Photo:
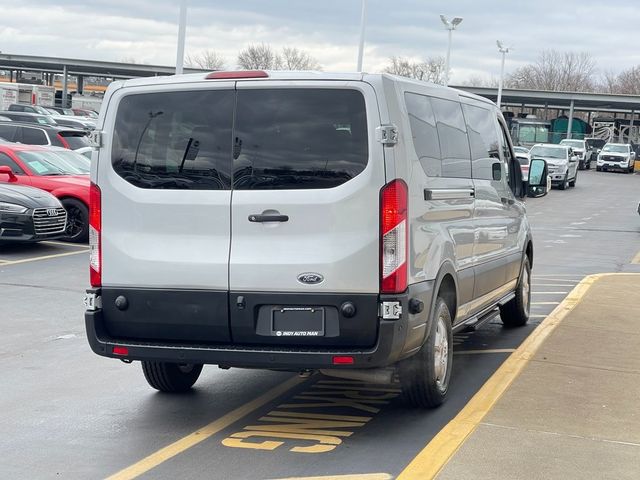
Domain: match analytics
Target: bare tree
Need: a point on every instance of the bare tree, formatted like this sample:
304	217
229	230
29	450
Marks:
207	59
556	71
431	70
628	81
480	81
293	58
259	57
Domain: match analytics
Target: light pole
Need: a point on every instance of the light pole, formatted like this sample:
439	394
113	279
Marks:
504	50
451	26
182	27
363	21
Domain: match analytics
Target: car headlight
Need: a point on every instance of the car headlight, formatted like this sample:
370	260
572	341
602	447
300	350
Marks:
12	208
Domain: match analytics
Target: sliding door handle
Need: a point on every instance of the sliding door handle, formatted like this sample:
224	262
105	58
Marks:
268	218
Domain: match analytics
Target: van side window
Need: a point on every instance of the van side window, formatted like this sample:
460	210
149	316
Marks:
299	138
505	153
483	140
454	144
34	136
175	140
424	133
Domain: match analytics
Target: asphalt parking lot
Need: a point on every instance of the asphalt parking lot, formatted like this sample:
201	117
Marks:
67	413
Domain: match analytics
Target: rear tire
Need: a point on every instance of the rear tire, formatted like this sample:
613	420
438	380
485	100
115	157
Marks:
572	183
516	312
77	221
425	376
171	377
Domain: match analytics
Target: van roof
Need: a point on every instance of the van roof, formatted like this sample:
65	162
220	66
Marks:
295	75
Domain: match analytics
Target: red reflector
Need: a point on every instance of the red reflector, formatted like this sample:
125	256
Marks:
343	360
120	351
237	74
393	237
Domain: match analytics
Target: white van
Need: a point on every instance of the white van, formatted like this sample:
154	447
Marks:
301	221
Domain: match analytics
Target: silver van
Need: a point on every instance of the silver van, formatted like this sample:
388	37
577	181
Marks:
300	221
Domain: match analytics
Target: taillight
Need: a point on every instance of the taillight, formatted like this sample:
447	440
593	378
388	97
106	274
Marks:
393	237
95	241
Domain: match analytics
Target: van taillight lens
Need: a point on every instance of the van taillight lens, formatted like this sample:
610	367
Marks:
95	230
393	237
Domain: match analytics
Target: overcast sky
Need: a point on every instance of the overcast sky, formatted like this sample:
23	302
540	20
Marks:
146	30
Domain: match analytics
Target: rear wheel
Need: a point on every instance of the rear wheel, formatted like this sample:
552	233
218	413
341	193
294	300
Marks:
572	183
77	221
424	377
515	313
171	377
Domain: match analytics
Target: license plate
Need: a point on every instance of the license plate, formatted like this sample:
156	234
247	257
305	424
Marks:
297	322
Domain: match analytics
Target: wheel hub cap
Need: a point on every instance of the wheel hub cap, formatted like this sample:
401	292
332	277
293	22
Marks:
441	353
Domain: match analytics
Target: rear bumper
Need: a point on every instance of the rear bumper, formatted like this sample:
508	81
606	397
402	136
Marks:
395	339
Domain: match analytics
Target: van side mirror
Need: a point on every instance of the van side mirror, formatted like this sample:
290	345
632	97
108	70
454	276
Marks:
6	170
496	171
538	172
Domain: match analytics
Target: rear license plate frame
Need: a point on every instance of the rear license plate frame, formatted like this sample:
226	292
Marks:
299	322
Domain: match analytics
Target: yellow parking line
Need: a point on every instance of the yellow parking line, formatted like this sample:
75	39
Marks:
64	244
430	461
545	303
43	257
361	476
488	350
205	432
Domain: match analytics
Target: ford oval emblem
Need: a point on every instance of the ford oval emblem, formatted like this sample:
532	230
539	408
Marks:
310	278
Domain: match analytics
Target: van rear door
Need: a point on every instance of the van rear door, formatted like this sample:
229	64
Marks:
307	174
165	178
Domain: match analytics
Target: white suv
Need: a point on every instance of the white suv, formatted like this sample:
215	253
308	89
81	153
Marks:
563	164
347	223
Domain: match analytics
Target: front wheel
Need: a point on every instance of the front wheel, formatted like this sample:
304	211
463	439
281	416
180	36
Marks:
515	313
572	183
77	221
171	377
565	182
424	377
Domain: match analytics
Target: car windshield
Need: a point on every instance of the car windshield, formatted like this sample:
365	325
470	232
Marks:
573	143
75	160
521	150
595	142
549	152
75	140
616	148
41	110
45	120
50	163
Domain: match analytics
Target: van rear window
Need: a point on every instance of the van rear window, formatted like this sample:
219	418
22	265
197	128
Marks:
175	140
298	138
287	138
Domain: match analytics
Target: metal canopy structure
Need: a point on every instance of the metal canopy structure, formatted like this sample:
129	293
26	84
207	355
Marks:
561	100
85	67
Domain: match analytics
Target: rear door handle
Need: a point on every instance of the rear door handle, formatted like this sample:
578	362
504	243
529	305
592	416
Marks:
268	218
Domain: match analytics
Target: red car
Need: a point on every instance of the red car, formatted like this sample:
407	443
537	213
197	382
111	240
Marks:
63	173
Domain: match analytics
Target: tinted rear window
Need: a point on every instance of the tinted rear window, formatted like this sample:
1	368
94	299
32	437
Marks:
175	140
75	140
299	138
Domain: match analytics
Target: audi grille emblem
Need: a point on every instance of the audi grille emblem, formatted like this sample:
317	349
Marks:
310	278
52	212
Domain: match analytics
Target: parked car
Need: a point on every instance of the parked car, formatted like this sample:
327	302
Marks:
616	156
595	145
57	135
19	107
27	117
28	214
81	123
581	150
82	112
362	236
563	165
60	111
42	168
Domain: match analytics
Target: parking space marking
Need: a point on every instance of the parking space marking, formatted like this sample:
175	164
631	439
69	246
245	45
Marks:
64	244
537	316
303	427
43	257
435	455
636	259
360	476
205	432
553	285
549	293
545	303
488	350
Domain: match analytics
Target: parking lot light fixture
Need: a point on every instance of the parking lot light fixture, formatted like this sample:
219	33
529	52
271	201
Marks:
504	50
363	21
451	26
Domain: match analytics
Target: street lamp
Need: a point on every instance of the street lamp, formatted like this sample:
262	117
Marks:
363	20
182	26
504	50
451	26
